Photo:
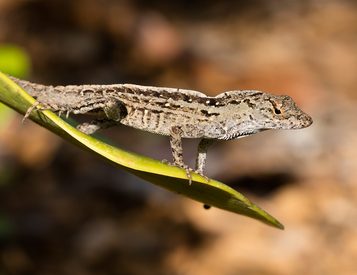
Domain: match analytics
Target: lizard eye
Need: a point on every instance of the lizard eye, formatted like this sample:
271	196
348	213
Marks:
275	106
277	111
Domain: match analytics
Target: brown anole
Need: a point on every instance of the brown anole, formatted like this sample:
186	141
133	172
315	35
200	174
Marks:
177	113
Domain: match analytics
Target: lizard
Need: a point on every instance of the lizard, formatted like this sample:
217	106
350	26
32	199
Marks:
177	113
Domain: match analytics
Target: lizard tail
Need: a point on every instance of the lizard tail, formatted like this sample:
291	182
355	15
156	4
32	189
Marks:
33	89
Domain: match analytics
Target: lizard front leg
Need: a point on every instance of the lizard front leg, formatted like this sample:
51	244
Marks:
176	148
202	154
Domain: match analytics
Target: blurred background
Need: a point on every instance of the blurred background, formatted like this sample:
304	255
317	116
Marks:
63	211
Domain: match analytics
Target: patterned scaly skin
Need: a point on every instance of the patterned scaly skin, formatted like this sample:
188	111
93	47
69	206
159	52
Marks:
176	113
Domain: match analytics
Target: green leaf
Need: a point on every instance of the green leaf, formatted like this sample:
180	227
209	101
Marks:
14	60
172	178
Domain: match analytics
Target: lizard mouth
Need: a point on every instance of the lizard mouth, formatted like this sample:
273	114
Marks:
243	134
304	121
307	121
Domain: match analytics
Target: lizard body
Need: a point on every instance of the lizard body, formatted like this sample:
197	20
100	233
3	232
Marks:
177	113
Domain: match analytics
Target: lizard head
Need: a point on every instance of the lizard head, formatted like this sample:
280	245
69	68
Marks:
258	111
281	112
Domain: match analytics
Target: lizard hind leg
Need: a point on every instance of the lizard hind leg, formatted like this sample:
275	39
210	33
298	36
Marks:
114	110
95	125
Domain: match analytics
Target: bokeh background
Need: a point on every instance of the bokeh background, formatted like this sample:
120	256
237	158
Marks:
63	211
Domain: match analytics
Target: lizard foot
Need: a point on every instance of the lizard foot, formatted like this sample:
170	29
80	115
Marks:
188	170
182	166
95	125
29	110
88	128
202	175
